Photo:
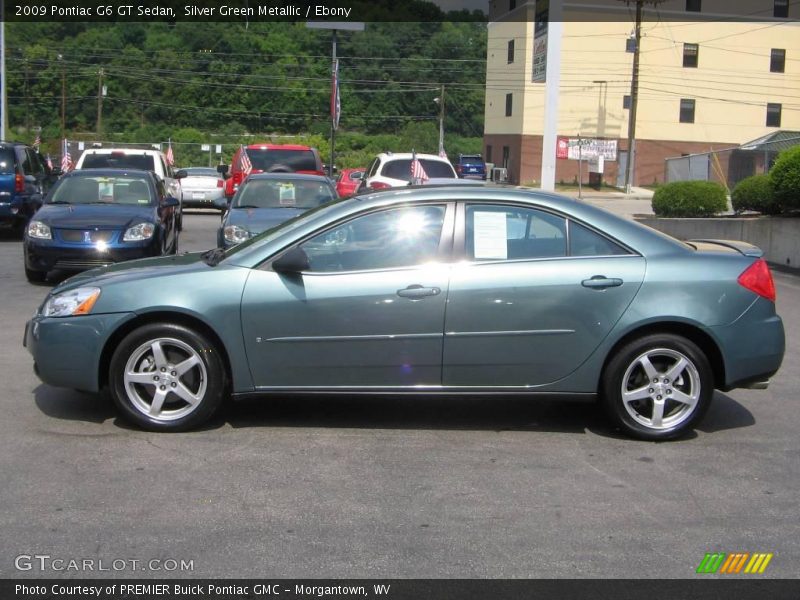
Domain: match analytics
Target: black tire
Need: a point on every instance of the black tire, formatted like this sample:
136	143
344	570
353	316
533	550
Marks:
150	375
35	276
657	408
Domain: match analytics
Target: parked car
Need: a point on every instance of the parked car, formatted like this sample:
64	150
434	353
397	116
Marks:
202	188
273	158
128	158
457	290
394	169
347	181
94	217
471	166
268	199
24	181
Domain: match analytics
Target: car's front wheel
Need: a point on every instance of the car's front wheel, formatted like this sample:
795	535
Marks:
167	377
658	386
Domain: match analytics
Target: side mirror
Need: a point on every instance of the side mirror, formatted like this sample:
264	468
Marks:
223	169
221	203
295	261
181	174
171	201
56	172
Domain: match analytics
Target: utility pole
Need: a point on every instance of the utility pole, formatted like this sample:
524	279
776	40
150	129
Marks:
634	92
63	97
100	74
440	102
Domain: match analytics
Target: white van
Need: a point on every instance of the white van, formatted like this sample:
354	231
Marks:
132	158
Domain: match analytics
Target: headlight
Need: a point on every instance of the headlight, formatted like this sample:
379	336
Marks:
235	234
137	233
40	231
72	303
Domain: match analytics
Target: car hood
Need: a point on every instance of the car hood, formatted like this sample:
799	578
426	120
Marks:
256	220
93	216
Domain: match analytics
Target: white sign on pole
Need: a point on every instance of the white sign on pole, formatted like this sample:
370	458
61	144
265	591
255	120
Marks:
219	148
205	147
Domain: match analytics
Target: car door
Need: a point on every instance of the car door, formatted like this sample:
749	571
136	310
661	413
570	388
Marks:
534	296
367	313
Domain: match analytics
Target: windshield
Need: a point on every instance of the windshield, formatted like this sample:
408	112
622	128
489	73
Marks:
285	227
293	160
102	190
282	193
142	162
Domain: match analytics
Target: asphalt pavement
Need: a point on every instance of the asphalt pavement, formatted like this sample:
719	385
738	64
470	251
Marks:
354	487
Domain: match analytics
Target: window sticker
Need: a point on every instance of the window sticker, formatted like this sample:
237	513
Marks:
287	197
490	235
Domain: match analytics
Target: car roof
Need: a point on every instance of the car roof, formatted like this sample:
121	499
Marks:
121	151
409	155
277	147
290	175
110	173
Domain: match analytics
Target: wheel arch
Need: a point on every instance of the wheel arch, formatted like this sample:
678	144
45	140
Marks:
162	316
692	332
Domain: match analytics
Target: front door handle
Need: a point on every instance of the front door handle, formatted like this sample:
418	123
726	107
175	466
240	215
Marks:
601	282
416	292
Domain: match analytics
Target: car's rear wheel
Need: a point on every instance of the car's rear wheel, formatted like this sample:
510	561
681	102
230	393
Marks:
166	377
658	386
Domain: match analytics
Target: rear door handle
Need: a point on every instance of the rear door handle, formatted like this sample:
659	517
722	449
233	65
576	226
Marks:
600	282
416	292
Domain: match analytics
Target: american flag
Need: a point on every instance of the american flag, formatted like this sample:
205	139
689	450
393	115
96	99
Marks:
418	174
66	159
37	142
336	105
245	166
49	162
170	156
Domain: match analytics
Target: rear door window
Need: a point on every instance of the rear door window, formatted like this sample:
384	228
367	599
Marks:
119	161
7	160
294	160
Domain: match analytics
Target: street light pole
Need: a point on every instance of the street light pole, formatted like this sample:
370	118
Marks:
335	26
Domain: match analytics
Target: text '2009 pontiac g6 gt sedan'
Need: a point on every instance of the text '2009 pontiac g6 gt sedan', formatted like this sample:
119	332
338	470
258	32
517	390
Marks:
440	290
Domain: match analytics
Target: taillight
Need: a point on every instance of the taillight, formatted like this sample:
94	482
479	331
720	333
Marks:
379	185
220	183
758	279
19	183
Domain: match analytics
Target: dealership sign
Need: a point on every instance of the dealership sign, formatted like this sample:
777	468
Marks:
586	148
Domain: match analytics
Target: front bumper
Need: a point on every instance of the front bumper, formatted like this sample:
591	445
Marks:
47	257
67	350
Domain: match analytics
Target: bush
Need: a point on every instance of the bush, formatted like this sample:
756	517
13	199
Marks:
755	193
785	176
689	199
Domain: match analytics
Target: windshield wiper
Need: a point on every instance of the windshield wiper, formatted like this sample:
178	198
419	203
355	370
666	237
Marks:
246	206
213	257
59	202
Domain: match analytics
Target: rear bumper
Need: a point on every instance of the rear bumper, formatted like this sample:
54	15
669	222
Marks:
752	347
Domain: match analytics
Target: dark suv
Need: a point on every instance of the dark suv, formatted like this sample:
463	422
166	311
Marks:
24	181
471	166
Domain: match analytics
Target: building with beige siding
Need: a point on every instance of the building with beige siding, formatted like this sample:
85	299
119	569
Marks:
709	79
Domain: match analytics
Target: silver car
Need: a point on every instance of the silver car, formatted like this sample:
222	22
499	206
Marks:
203	188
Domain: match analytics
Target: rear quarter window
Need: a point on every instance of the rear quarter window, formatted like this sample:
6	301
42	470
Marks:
6	160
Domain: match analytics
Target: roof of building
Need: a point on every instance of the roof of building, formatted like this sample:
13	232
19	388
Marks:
774	142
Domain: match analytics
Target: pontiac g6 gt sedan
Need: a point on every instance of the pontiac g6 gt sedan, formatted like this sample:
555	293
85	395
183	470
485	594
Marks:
441	290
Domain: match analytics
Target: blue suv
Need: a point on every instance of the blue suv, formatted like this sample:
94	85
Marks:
471	166
24	181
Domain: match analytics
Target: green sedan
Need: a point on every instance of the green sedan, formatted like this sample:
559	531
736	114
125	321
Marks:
454	290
